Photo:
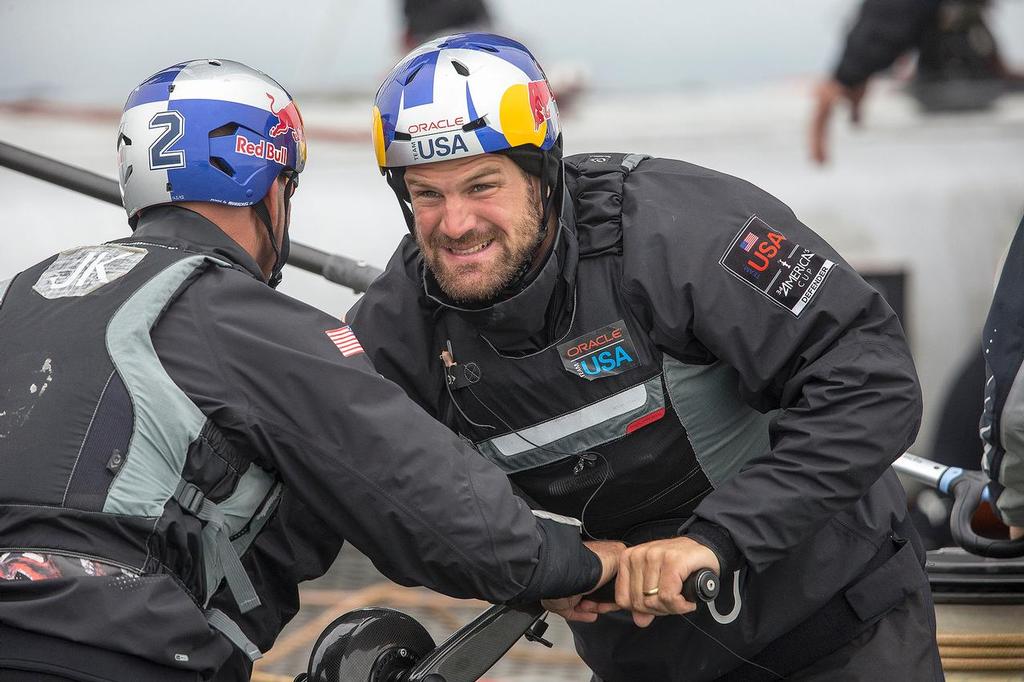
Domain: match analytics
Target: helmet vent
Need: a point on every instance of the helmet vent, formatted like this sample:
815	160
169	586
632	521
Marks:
123	139
475	124
128	174
224	131
402	136
222	165
415	71
460	68
487	48
169	188
213	62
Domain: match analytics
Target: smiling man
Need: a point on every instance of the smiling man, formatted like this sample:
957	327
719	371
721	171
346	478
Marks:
666	354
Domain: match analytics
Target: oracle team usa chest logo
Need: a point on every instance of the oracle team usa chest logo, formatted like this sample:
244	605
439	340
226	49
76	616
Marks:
603	352
786	273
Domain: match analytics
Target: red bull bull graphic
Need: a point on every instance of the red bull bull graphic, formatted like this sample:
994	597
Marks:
540	102
288	119
262	150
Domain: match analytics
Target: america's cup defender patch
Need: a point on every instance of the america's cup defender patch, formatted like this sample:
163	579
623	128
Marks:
788	274
604	352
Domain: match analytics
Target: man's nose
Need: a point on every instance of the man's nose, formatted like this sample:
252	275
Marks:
458	217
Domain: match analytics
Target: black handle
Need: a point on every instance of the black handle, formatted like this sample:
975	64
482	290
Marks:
702	585
968	491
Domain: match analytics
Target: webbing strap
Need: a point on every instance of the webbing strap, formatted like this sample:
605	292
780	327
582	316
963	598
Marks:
220	555
219	621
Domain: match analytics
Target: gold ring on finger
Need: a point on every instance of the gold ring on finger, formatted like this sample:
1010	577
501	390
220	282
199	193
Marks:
651	592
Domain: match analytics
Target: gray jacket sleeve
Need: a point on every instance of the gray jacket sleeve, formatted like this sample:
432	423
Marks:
362	457
808	338
1002	420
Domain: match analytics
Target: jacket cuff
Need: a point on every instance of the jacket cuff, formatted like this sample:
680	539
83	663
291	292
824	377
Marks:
565	566
717	539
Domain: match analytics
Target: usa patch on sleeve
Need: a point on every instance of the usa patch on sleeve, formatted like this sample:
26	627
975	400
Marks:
345	339
785	273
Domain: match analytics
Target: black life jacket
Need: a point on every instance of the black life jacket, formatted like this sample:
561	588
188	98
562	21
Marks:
591	426
103	457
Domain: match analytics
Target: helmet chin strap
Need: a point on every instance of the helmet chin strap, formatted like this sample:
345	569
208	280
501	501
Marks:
280	254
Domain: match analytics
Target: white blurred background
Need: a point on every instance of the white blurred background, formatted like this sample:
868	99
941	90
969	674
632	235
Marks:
724	84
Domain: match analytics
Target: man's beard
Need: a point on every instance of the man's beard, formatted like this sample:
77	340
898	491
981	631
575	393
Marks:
470	283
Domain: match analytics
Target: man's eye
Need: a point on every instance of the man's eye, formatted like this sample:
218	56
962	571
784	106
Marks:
481	188
426	194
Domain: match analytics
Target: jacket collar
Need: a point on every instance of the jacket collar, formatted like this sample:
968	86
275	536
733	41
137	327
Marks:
177	226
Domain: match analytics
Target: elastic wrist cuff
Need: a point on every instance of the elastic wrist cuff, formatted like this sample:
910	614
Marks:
717	539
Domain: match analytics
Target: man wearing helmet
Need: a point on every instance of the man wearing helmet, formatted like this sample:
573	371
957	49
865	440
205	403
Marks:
180	445
666	354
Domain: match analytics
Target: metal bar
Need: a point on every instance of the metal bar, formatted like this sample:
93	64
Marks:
342	270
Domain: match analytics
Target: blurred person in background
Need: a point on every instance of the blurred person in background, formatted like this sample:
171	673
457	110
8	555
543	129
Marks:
1002	422
958	62
181	445
665	353
426	19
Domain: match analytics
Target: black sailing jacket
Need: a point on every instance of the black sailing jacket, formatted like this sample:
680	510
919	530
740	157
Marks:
280	392
690	359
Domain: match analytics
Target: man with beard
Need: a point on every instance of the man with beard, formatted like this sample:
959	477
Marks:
666	354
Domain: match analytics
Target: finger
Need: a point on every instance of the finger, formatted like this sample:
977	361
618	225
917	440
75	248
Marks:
637	564
622	582
643	619
589	606
580	617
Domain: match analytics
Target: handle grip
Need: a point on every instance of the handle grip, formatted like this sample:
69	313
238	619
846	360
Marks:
968	490
699	586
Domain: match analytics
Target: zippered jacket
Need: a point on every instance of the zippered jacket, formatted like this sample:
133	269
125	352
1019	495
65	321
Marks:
690	359
198	444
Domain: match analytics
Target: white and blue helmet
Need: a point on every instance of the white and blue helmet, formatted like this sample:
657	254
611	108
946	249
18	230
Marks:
206	130
463	95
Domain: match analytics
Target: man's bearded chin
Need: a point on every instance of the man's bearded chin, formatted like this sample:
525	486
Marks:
468	283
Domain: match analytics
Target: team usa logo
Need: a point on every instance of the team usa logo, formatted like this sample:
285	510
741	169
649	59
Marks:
601	353
786	273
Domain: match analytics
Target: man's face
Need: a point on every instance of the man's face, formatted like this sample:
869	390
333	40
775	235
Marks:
477	222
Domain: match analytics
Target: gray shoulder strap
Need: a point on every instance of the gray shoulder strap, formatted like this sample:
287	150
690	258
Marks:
219	621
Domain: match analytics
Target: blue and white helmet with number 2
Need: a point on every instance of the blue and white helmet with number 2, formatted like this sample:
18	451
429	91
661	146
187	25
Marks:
206	130
463	95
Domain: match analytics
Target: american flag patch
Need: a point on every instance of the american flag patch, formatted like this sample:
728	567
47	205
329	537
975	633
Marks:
345	339
749	241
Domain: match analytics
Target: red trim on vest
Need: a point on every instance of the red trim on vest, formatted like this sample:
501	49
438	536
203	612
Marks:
645	420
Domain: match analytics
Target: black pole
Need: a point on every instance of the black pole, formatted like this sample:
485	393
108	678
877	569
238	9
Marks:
342	270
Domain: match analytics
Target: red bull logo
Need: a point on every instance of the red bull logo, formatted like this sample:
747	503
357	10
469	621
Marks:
540	102
262	150
288	119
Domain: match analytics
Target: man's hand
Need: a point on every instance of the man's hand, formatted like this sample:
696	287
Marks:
571	608
662	564
1016	532
826	96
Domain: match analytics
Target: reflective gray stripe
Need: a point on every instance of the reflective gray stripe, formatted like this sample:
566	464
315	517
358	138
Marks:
631	161
166	421
220	558
219	621
4	286
724	431
574	432
558	518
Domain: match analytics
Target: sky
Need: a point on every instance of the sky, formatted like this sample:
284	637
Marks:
95	51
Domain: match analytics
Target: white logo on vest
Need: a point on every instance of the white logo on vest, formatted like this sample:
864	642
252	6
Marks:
85	269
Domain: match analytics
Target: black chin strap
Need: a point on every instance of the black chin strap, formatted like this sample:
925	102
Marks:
280	254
